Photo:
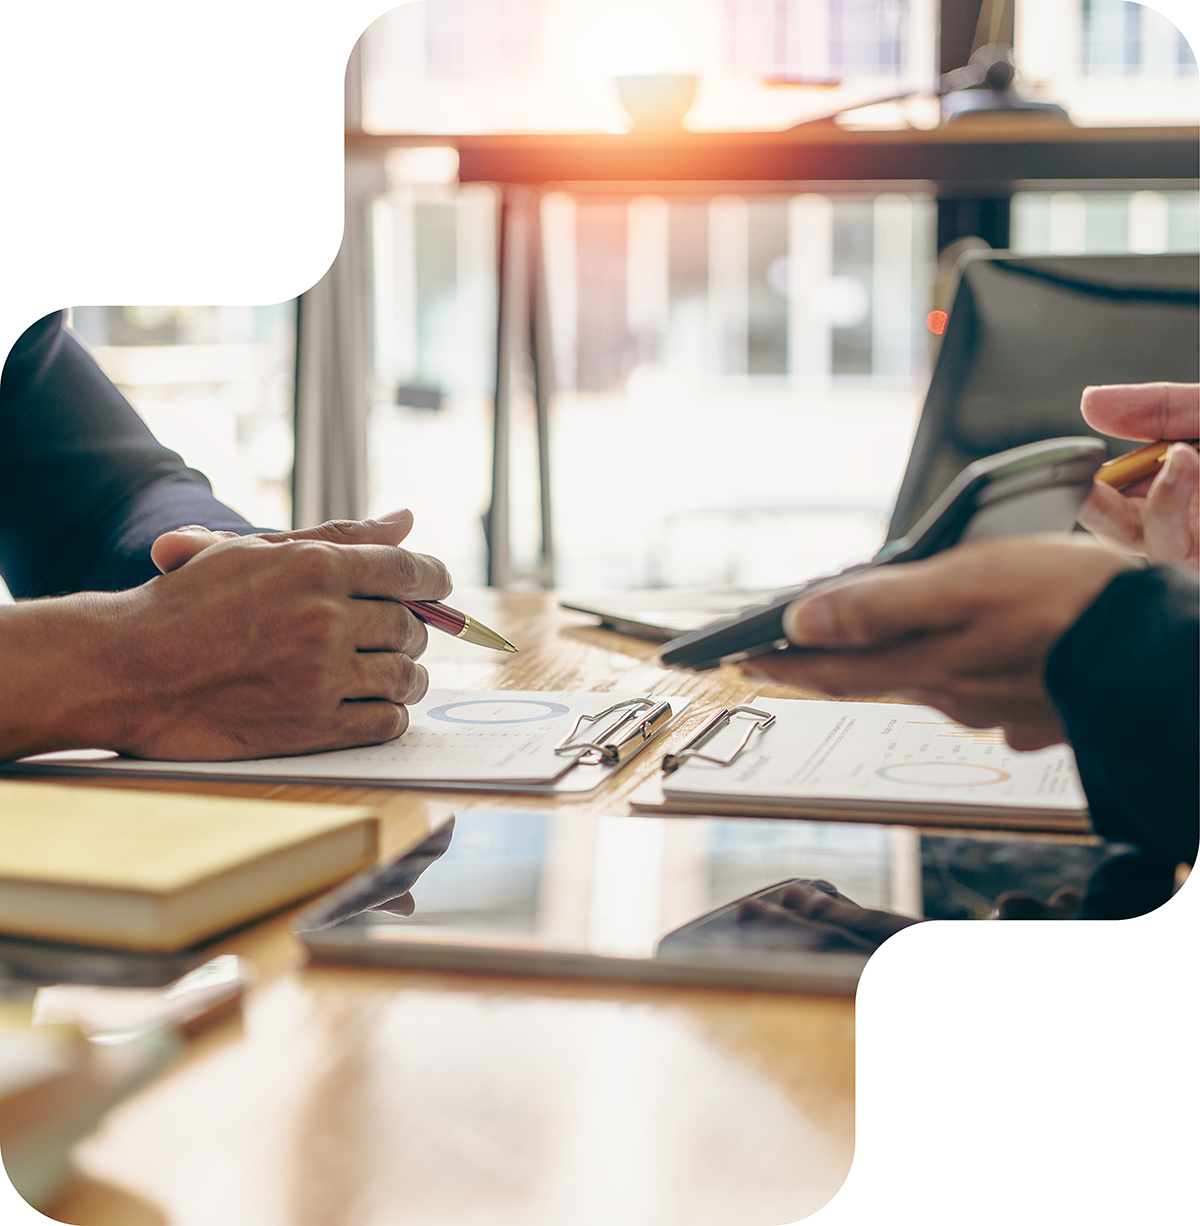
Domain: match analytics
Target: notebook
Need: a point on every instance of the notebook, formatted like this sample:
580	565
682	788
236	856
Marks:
157	871
866	761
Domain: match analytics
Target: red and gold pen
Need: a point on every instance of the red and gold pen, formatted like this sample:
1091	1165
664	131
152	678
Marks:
451	621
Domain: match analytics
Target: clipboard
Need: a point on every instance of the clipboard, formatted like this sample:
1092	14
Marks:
865	762
525	742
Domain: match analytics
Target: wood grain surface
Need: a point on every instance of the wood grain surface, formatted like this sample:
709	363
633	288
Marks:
346	1097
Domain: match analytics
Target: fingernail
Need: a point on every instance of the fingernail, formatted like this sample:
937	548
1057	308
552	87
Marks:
1172	469
394	516
809	621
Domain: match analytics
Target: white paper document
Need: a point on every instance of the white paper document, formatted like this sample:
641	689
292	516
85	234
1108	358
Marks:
822	758
498	740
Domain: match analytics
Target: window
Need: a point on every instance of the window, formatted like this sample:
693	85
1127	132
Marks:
817	38
213	383
434	353
550	65
1109	62
742	341
1091	222
1120	38
481	37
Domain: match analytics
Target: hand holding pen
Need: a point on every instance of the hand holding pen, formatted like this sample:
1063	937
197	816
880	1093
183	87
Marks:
265	644
1157	509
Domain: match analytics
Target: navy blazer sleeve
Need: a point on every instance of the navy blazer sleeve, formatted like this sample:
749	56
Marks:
1124	680
84	486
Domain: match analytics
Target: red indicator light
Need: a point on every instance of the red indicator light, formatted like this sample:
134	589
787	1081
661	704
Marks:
935	321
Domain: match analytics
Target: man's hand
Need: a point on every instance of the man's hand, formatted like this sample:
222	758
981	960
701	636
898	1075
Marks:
967	631
1160	516
245	647
171	550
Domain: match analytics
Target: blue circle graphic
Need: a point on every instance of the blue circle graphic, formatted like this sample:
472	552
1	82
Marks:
549	710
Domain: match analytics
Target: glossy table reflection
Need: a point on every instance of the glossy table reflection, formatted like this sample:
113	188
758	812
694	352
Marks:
352	1097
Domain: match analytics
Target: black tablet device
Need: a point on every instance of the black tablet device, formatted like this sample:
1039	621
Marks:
1035	488
539	892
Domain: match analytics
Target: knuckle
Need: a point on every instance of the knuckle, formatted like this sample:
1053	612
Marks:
399	722
387	722
340	530
413	636
372	723
412	682
315	563
422	575
319	624
441	581
405	565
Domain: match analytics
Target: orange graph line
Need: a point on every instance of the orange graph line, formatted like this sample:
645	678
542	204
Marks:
980	736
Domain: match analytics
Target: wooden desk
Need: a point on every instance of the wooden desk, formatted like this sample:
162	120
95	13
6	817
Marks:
377	1098
968	157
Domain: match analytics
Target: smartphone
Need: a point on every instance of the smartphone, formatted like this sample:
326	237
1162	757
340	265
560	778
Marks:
1035	488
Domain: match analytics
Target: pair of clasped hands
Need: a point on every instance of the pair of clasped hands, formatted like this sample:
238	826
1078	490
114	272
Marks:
969	630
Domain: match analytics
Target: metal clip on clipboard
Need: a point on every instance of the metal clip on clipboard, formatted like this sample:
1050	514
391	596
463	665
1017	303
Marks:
634	722
715	722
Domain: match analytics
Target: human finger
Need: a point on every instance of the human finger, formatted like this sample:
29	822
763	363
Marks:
1110	514
368	722
844	674
385	625
1026	735
802	931
882	606
172	549
814	903
1146	411
389	529
1169	520
388	675
384	572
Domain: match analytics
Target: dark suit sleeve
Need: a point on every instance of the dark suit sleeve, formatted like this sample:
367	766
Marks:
84	486
1124	680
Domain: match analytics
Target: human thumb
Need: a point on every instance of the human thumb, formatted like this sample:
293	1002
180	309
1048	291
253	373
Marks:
172	549
389	529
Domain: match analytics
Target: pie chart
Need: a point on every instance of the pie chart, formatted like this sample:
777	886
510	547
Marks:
498	711
943	774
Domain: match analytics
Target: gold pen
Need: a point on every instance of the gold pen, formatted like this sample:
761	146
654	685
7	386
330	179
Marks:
1134	465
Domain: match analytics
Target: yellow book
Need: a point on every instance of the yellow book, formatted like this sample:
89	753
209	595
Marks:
159	871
